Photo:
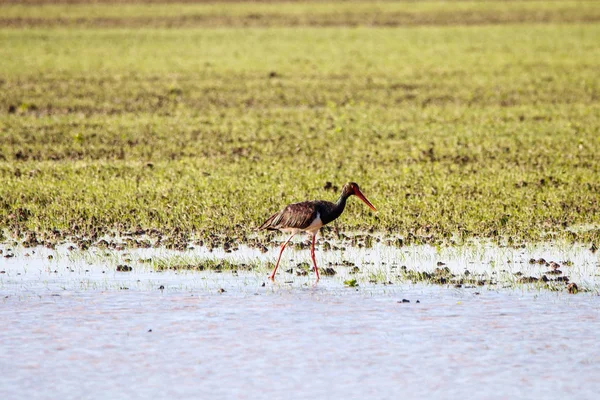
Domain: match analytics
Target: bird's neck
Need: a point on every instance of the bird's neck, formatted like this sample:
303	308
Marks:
337	210
341	202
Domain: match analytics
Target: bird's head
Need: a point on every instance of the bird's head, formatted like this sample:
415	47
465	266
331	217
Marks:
351	188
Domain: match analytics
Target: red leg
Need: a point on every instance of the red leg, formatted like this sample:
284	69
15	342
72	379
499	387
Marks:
272	276
312	254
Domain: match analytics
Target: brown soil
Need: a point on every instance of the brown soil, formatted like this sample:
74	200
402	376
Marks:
315	20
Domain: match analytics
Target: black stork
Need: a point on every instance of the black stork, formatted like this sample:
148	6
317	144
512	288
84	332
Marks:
310	216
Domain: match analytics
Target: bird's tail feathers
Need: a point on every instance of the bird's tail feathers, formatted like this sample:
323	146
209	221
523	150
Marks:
267	223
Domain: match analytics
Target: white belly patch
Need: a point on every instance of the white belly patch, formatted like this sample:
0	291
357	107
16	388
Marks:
315	225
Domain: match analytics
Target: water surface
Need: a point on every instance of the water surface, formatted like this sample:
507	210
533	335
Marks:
73	329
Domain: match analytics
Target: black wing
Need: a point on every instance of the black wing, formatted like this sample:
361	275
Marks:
297	215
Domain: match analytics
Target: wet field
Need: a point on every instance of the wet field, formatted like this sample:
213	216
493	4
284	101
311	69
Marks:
75	327
180	127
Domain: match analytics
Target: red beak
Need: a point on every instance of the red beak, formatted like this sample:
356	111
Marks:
364	199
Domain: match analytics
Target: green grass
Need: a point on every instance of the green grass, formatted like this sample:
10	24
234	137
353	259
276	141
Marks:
478	131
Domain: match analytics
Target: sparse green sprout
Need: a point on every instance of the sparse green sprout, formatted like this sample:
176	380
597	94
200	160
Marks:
351	283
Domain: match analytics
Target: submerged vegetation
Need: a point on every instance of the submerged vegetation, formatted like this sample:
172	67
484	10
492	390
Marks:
458	119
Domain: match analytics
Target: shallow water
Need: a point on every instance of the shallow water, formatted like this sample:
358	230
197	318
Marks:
86	331
380	262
